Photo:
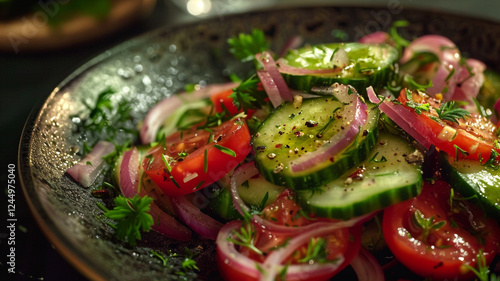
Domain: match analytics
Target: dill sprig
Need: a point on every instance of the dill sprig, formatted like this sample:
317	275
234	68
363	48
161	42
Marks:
449	111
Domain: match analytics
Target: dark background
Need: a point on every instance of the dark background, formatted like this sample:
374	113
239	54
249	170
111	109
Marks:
26	80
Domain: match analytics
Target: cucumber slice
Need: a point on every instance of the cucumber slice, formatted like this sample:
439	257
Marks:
252	192
290	132
185	116
370	65
470	178
387	177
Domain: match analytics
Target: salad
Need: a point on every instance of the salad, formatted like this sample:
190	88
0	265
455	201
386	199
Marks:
366	156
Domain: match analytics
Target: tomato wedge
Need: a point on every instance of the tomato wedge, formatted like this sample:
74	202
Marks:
223	101
285	211
437	233
472	138
191	160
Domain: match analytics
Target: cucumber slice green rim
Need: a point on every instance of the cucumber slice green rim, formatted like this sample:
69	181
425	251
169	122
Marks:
473	180
387	177
290	132
370	65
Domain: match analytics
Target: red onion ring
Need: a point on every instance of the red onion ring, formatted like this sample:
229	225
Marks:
166	107
88	168
129	185
354	116
496	107
367	267
449	57
376	38
292	43
270	88
403	117
469	81
247	171
274	81
229	255
201	223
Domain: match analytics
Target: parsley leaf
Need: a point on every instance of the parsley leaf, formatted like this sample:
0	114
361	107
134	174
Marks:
245	46
132	216
248	95
450	112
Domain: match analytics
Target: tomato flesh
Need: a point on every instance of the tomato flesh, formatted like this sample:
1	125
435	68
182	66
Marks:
472	138
285	211
197	158
442	253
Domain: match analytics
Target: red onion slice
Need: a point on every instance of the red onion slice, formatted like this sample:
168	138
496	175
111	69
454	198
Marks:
273	80
270	87
88	168
496	115
367	267
470	80
376	37
247	171
354	115
404	118
445	79
166	107
201	223
229	255
292	43
129	184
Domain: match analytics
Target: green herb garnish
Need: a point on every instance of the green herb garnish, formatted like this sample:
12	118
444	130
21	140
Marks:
426	224
450	112
132	216
245	46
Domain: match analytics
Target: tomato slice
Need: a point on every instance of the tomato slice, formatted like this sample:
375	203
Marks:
223	100
460	230
472	138
191	160
285	211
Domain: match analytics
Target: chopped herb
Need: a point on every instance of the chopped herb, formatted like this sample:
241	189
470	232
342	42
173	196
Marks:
340	35
492	161
450	75
426	224
450	112
225	150
382	159
399	41
415	105
190	264
205	161
183	154
417	86
199	185
459	151
245	46
481	270
245	237
167	160
248	95
316	251
132	216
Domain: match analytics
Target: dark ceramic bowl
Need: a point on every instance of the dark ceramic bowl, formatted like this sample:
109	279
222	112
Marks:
150	67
